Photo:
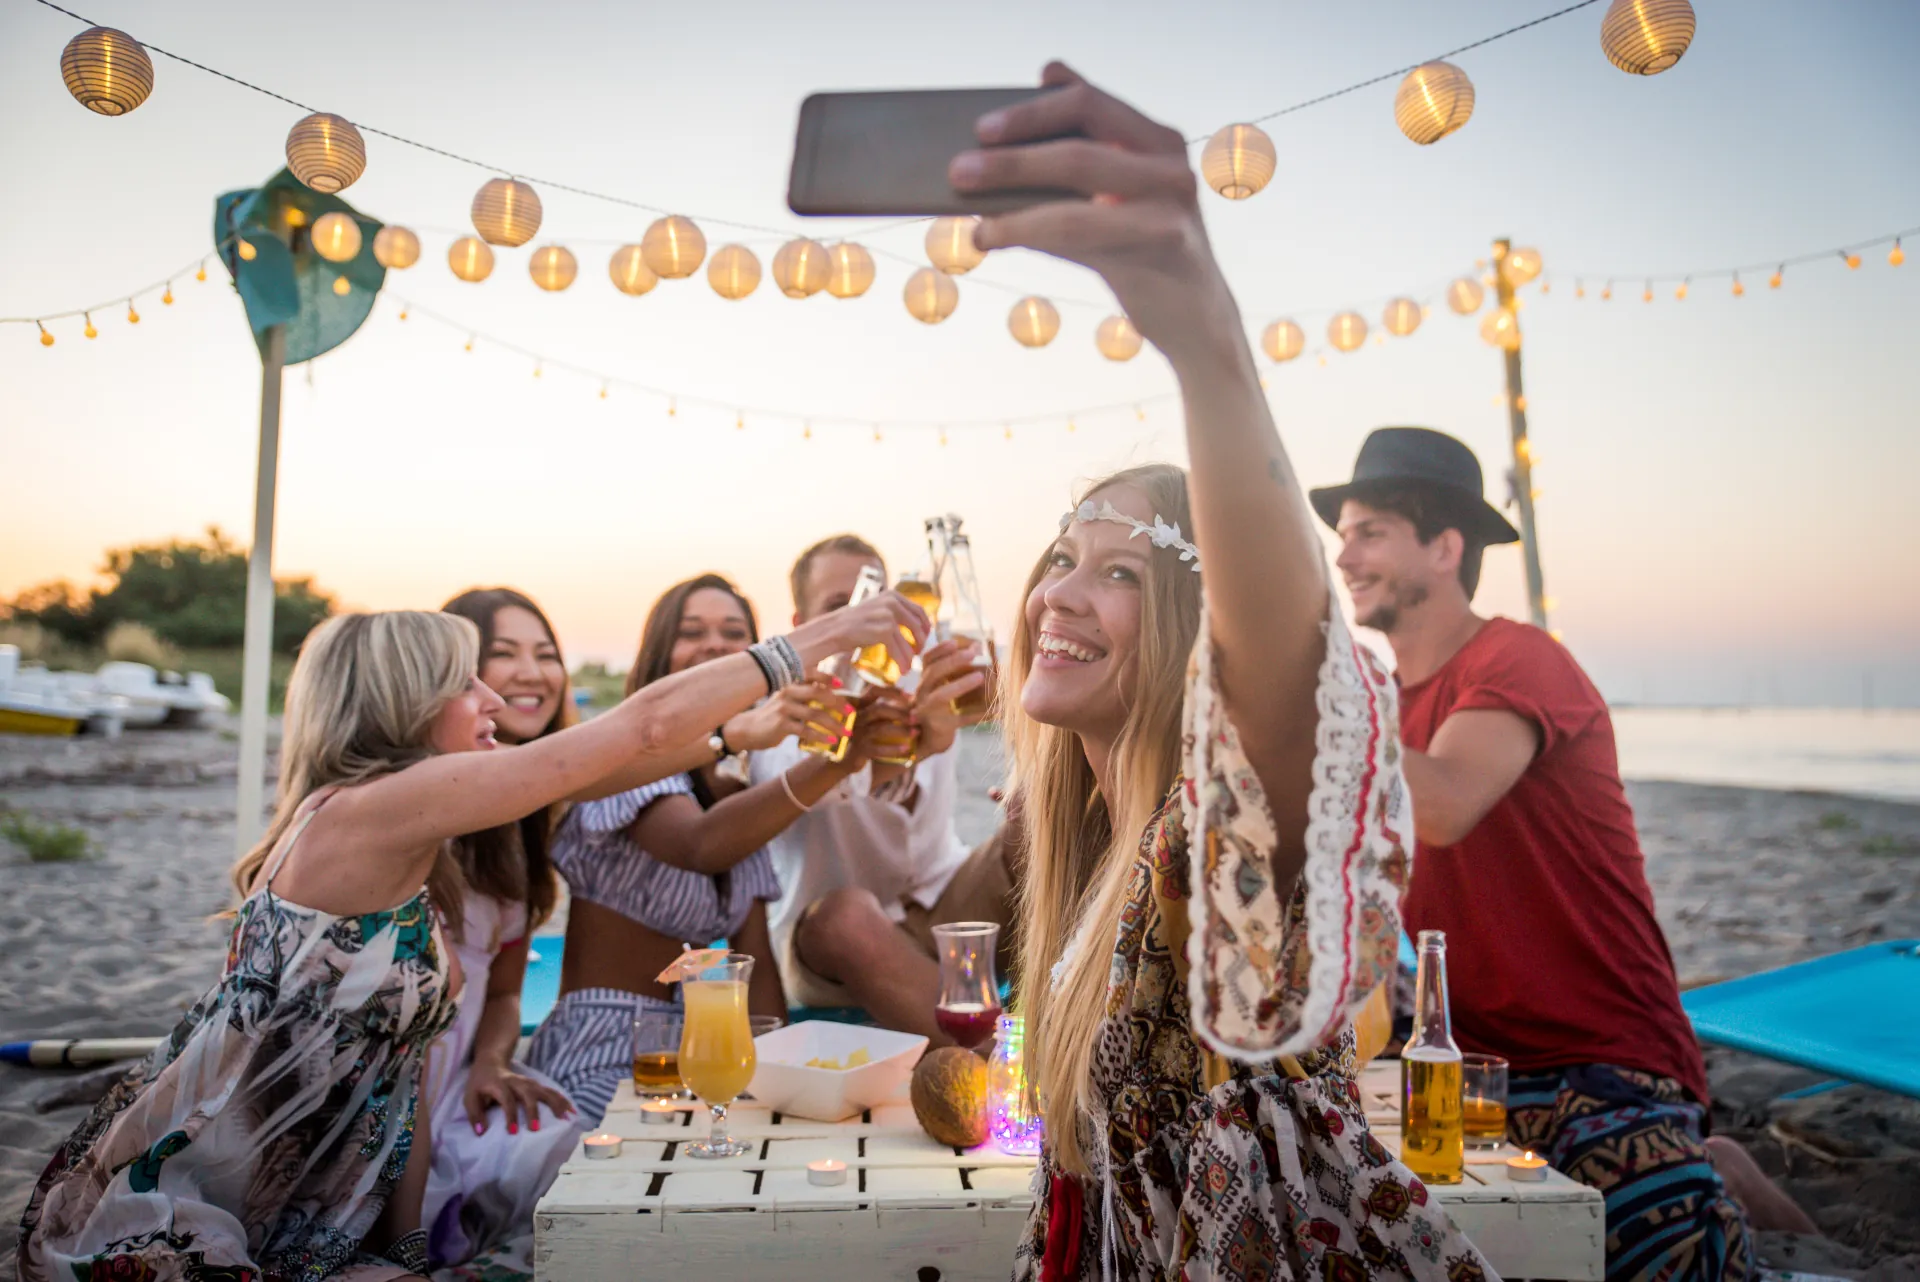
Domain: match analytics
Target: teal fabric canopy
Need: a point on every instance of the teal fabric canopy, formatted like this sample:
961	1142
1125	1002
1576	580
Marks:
286	283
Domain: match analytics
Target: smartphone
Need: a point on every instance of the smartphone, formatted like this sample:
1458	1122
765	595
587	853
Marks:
886	154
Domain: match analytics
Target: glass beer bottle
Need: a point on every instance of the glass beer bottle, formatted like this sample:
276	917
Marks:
846	669
1433	1141
970	621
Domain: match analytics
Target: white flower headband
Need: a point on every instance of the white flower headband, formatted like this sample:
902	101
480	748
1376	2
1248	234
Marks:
1162	534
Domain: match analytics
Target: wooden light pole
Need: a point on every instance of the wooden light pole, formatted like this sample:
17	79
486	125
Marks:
257	664
1522	449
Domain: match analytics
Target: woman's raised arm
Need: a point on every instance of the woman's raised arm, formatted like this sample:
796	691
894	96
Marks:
1141	230
463	792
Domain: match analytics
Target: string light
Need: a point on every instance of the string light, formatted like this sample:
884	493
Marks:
931	295
674	247
1779	274
1579	289
801	268
734	272
603	391
1117	339
403	311
133	317
851	273
1465	295
106	71
46	339
167	298
1140	413
950	245
1648	296
806	432
1007	432
342	286
336	237
506	212
1646	37
1851	260
876	434
943	436
537	368
1606	295
326	152
91	332
1033	322
1238	161
470	342
1738	289
739	420
553	267
470	259
1434	100
1402	317
1072	426
630	272
673	407
1896	255
202	273
395	248
246	251
1282	341
1680	294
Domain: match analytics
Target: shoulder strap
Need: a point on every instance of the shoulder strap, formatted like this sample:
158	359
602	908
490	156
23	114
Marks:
293	838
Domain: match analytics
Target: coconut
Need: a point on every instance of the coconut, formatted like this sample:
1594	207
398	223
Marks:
949	1096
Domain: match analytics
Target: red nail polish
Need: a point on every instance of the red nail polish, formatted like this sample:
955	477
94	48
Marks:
534	1124
513	1128
479	1129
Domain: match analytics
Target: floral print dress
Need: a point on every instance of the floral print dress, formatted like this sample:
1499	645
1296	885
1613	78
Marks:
1234	1142
262	1139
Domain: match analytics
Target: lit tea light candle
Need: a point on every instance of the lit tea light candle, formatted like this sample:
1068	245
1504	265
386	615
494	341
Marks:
827	1171
658	1112
602	1146
1529	1167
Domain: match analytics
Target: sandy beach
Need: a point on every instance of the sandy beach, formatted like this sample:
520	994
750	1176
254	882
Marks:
1745	879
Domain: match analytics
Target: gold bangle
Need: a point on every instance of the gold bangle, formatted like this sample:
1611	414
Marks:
786	786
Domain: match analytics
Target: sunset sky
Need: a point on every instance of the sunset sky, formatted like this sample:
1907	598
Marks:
1727	485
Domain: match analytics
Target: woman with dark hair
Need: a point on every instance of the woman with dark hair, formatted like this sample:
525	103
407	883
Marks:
681	861
491	1158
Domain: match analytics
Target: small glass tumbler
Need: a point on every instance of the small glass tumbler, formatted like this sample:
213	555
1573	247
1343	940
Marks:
1483	1100
656	1055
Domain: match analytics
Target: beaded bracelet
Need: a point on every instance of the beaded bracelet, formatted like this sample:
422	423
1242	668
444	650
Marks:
779	662
766	668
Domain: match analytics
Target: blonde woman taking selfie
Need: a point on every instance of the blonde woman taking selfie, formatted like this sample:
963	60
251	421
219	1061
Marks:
1208	769
271	1134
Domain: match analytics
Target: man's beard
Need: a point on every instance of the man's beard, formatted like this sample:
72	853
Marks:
1400	598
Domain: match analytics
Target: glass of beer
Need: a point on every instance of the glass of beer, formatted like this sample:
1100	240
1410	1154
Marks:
717	1057
1483	1100
656	1055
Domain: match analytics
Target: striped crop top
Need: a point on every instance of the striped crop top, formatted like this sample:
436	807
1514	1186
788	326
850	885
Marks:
602	865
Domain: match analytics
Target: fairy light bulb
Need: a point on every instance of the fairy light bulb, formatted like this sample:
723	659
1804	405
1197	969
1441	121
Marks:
341	286
739	422
806	432
1738	288
202	273
537	369
1680	294
1896	255
1007	432
603	391
673	407
1140	413
247	252
46	339
91	332
1072	426
1647	297
1606	294
876	436
1779	274
133	316
1579	289
469	342
1852	261
943	436
403	311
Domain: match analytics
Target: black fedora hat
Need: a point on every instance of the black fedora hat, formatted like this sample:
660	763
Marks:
1394	457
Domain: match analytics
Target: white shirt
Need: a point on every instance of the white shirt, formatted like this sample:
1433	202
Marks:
851	839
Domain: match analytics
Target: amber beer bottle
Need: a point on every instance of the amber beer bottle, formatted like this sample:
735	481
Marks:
1433	1142
843	667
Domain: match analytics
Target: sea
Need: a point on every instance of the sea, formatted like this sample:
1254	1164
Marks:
1860	752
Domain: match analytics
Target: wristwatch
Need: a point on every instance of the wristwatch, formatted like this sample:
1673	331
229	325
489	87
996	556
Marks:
717	744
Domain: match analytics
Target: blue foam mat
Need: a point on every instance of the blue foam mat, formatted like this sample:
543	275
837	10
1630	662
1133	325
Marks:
541	989
1854	1015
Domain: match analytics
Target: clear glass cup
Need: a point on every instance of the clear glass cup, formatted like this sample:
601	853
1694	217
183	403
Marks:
1483	1100
717	1058
969	1007
656	1055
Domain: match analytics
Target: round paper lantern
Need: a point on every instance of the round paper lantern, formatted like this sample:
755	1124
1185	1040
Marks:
342	286
931	295
801	268
850	270
1282	341
734	271
1238	161
1522	266
630	272
326	152
106	71
470	258
1501	330
1465	295
506	212
1117	339
553	267
395	248
1347	331
950	245
1034	322
1403	316
1645	37
674	247
1435	99
336	237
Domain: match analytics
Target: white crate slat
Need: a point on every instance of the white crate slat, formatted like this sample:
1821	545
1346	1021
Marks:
756	1218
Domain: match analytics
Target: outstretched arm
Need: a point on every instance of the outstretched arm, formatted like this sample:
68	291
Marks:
1141	230
1476	757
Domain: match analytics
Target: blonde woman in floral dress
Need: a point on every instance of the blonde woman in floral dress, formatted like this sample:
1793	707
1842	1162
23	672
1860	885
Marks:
1216	821
271	1135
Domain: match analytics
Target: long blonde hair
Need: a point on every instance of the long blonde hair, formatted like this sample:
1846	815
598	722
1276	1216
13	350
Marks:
1081	847
360	704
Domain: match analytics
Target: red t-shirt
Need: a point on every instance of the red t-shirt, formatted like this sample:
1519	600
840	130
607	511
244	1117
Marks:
1554	956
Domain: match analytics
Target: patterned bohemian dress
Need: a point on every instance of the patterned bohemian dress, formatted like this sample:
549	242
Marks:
262	1139
1231	1142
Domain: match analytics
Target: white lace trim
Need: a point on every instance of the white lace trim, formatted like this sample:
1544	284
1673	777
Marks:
1357	811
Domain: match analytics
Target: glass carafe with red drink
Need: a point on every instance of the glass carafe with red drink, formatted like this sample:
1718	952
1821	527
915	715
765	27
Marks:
969	1006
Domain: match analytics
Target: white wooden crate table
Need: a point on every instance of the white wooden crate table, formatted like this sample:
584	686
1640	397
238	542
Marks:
914	1209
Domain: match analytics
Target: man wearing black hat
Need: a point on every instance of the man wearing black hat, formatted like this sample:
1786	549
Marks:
1528	859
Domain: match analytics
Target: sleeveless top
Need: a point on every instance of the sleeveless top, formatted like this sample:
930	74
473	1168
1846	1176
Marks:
265	1135
603	866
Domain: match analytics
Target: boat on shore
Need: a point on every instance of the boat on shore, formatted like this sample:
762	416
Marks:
34	700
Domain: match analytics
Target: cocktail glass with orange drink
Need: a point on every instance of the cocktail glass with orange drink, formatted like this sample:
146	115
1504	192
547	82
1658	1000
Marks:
716	1049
